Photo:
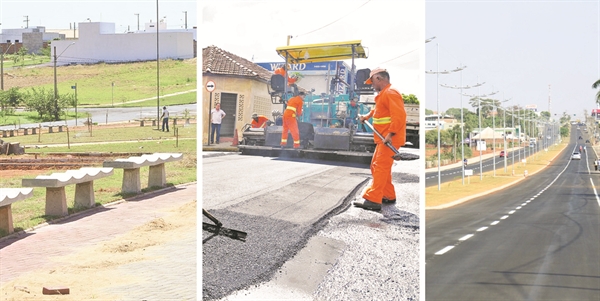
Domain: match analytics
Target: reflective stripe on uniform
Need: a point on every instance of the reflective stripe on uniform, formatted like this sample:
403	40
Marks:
382	120
291	108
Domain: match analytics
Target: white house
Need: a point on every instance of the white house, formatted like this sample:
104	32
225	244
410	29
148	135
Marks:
98	42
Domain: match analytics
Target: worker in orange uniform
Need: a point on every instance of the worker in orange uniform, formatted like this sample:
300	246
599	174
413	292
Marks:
259	121
291	79
389	119
293	109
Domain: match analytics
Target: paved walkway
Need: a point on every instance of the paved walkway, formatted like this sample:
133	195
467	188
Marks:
167	271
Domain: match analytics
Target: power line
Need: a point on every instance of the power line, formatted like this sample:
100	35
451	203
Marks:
334	21
398	56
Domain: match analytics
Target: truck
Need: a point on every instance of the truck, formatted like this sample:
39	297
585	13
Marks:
327	131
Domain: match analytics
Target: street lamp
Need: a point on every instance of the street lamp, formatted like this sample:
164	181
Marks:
479	141
56	116
2	65
462	135
138	21
437	73
494	106
113	94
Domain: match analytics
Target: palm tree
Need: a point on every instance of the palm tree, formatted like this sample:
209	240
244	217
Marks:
595	86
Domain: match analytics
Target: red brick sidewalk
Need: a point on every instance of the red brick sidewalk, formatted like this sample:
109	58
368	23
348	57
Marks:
34	249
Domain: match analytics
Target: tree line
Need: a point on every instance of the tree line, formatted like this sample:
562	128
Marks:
38	100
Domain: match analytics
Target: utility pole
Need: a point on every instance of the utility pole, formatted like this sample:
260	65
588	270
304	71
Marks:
26	21
185	12
138	21
549	102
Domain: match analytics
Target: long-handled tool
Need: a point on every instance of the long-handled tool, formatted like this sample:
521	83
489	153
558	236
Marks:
218	228
398	155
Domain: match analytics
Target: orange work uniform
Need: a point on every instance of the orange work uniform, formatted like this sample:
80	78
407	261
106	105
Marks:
389	116
293	109
261	123
281	71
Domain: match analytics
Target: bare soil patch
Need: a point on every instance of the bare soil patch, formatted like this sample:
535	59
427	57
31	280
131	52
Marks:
88	272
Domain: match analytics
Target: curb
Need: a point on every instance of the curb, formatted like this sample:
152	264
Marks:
468	198
16	235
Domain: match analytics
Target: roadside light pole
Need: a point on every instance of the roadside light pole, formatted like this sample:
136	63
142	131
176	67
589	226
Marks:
56	115
479	140
138	21
2	65
462	120
113	94
437	73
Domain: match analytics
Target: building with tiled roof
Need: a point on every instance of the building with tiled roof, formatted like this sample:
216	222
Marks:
241	87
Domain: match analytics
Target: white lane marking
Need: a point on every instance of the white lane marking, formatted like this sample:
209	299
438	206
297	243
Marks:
528	202
466	237
531	199
596	193
504	217
511	212
518	207
524	204
494	223
444	250
482	229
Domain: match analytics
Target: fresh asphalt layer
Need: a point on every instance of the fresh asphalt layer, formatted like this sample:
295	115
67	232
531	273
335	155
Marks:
305	241
537	240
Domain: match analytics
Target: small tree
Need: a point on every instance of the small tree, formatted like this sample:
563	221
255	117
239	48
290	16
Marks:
410	99
21	55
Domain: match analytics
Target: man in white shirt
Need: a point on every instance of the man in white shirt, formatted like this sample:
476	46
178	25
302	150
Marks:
165	119
217	116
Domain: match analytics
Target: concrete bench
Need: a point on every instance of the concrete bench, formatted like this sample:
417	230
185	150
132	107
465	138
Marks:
51	128
131	170
26	130
8	133
56	200
7	197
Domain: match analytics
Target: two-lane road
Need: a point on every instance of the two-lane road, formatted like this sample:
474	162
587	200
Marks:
539	240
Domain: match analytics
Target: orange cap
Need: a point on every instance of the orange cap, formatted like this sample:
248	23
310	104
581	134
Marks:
373	72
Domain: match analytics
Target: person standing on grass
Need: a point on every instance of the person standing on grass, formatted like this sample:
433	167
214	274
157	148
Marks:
217	116
165	119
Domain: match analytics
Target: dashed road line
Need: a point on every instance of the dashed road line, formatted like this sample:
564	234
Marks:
482	229
466	237
444	250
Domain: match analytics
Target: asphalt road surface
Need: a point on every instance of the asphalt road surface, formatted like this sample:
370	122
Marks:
538	240
305	241
110	115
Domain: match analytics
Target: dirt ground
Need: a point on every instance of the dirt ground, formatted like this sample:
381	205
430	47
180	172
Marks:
88	271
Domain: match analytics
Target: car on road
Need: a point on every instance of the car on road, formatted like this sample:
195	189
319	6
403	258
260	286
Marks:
576	156
502	154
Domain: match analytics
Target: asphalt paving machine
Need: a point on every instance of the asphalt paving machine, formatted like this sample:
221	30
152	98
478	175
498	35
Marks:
328	126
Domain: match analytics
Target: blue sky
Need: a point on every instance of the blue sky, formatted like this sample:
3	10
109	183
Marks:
60	14
518	48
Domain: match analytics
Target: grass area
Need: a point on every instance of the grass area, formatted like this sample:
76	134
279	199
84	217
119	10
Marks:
106	133
132	81
164	101
134	139
454	190
28	61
